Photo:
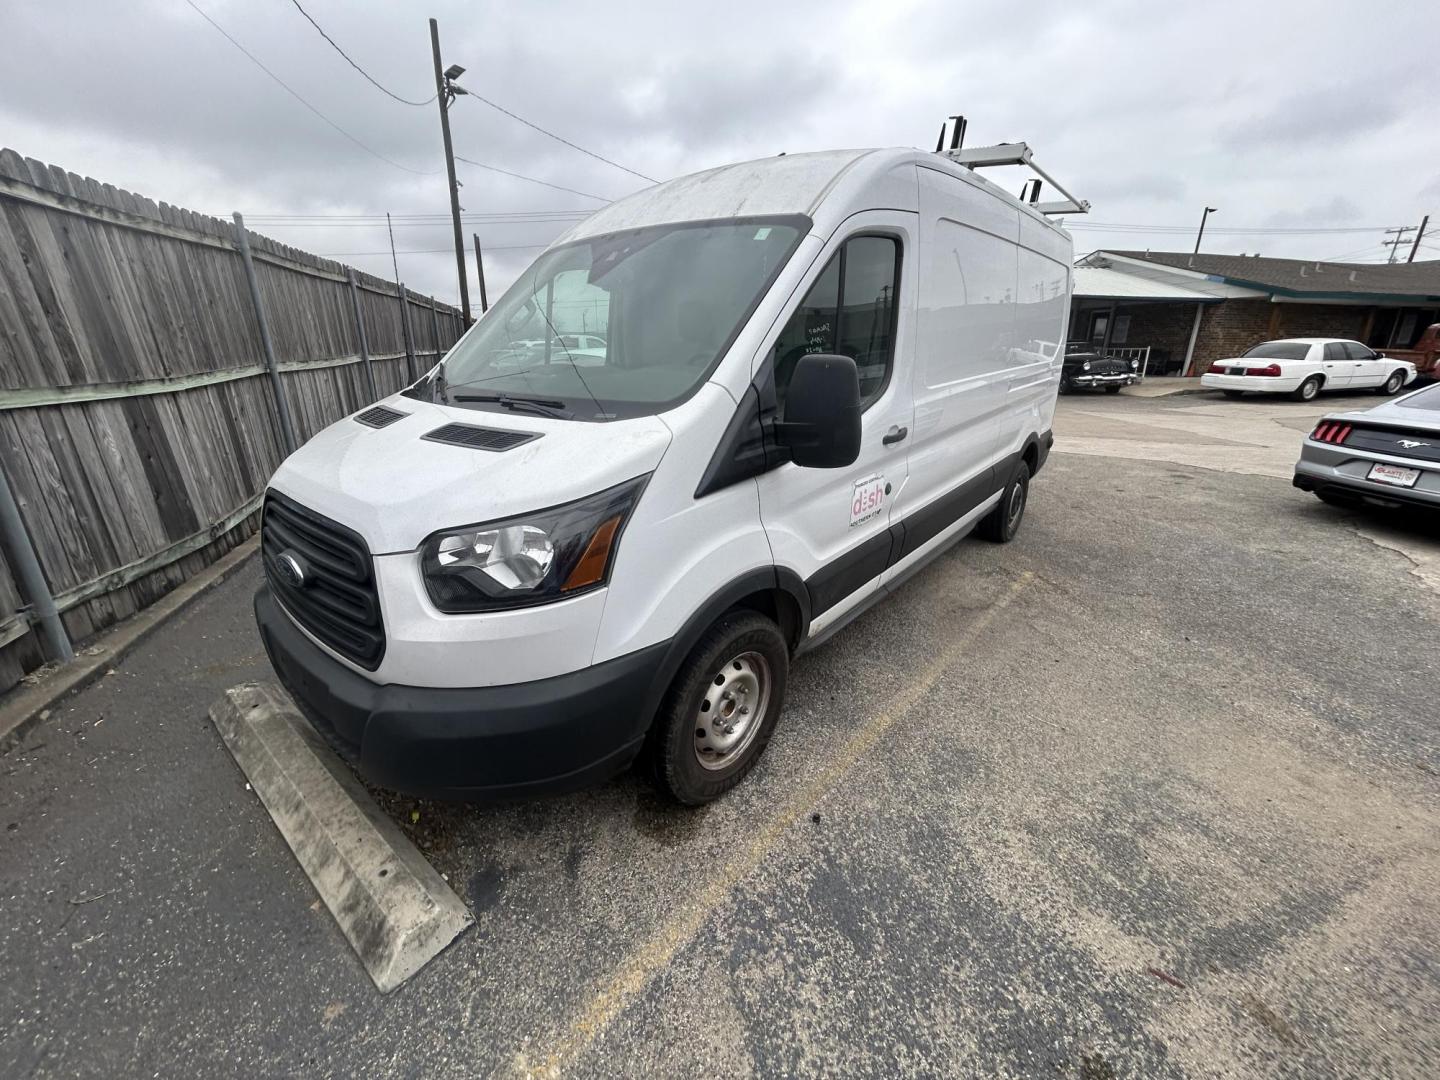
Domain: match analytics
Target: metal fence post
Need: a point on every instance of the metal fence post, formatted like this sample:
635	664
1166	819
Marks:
287	429
360	329
435	329
405	326
33	585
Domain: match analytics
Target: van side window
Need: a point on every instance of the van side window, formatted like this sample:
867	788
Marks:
850	310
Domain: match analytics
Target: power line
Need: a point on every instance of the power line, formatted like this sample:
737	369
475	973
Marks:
469	215
428	251
407	224
295	94
321	31
1111	226
589	153
533	180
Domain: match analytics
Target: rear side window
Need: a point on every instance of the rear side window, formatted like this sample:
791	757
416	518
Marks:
850	310
1281	350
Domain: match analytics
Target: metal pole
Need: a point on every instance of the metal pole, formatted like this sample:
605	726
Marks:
441	94
33	585
394	262
360	329
435	329
405	326
480	269
1413	247
287	428
1208	211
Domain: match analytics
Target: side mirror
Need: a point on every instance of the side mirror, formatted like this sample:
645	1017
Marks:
821	425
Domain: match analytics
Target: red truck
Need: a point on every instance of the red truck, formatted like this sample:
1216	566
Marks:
1424	354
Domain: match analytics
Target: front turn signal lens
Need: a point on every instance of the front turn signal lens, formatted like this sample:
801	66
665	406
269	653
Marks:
592	565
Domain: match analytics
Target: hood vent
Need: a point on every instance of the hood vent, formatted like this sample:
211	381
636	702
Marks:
479	438
380	416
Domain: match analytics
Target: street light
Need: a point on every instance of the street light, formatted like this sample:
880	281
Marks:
1208	211
445	92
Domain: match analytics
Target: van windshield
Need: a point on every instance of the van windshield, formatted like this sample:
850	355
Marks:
626	324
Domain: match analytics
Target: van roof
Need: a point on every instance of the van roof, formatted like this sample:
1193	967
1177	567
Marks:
784	184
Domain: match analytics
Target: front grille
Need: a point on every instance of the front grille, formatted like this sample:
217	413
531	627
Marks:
1389	441
379	416
479	438
337	599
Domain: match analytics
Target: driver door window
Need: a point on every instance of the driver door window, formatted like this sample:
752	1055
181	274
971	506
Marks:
850	310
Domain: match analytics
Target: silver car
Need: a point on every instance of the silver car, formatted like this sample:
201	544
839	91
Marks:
1386	456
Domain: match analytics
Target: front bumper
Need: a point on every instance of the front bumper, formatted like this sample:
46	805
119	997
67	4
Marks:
492	742
1255	384
1341	470
1122	379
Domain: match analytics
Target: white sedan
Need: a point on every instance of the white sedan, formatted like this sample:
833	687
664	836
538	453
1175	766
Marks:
1302	367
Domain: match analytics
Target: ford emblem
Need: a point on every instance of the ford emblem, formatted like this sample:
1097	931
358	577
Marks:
291	567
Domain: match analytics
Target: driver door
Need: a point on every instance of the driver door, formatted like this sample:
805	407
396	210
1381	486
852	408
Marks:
832	526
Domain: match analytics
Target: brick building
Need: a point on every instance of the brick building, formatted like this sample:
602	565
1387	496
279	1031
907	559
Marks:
1189	310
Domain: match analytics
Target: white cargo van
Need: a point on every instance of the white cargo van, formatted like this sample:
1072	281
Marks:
814	373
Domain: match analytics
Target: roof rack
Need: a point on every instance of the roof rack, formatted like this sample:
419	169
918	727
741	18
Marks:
1015	153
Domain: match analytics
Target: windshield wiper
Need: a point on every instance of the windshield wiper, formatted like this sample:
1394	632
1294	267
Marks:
543	406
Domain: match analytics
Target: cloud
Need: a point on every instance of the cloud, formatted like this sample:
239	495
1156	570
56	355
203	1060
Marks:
1150	111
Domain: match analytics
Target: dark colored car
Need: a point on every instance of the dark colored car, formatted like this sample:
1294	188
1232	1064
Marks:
1090	370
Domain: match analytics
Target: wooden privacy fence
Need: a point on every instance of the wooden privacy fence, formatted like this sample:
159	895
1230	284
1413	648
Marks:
139	419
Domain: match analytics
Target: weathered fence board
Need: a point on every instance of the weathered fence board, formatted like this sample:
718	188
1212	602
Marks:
137	423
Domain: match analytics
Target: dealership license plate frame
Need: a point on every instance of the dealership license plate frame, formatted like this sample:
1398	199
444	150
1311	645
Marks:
1394	475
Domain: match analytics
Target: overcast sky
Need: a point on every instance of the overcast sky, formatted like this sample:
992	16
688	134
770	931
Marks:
1297	115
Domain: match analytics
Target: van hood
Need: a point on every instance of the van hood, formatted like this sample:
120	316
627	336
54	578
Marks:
395	487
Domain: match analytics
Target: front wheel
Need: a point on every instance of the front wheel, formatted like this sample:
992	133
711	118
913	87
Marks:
721	709
1308	389
1393	384
1001	524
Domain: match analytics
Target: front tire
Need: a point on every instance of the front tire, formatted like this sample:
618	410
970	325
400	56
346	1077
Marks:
1309	389
720	710
1393	383
1001	524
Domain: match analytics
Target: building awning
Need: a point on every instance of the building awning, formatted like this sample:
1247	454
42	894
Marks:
1105	283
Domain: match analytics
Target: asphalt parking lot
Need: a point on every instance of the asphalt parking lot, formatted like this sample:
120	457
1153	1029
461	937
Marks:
1153	791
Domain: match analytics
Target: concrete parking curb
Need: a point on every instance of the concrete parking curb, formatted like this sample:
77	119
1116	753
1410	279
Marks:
22	709
392	906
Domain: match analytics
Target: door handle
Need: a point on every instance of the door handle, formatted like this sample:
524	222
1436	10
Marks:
894	435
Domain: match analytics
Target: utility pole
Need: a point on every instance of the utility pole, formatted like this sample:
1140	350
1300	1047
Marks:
1418	237
480	269
1394	245
394	262
444	95
1208	211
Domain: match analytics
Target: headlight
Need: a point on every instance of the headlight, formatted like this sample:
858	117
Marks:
1085	366
529	559
1134	365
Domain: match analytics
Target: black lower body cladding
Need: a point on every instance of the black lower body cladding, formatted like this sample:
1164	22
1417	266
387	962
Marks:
481	743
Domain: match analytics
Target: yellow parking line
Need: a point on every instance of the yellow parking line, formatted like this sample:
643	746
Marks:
656	953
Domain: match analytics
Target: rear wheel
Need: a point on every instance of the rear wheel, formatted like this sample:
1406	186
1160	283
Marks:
721	709
1393	383
1308	389
1001	524
1233	395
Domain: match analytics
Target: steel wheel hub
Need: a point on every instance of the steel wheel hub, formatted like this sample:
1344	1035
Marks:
732	710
